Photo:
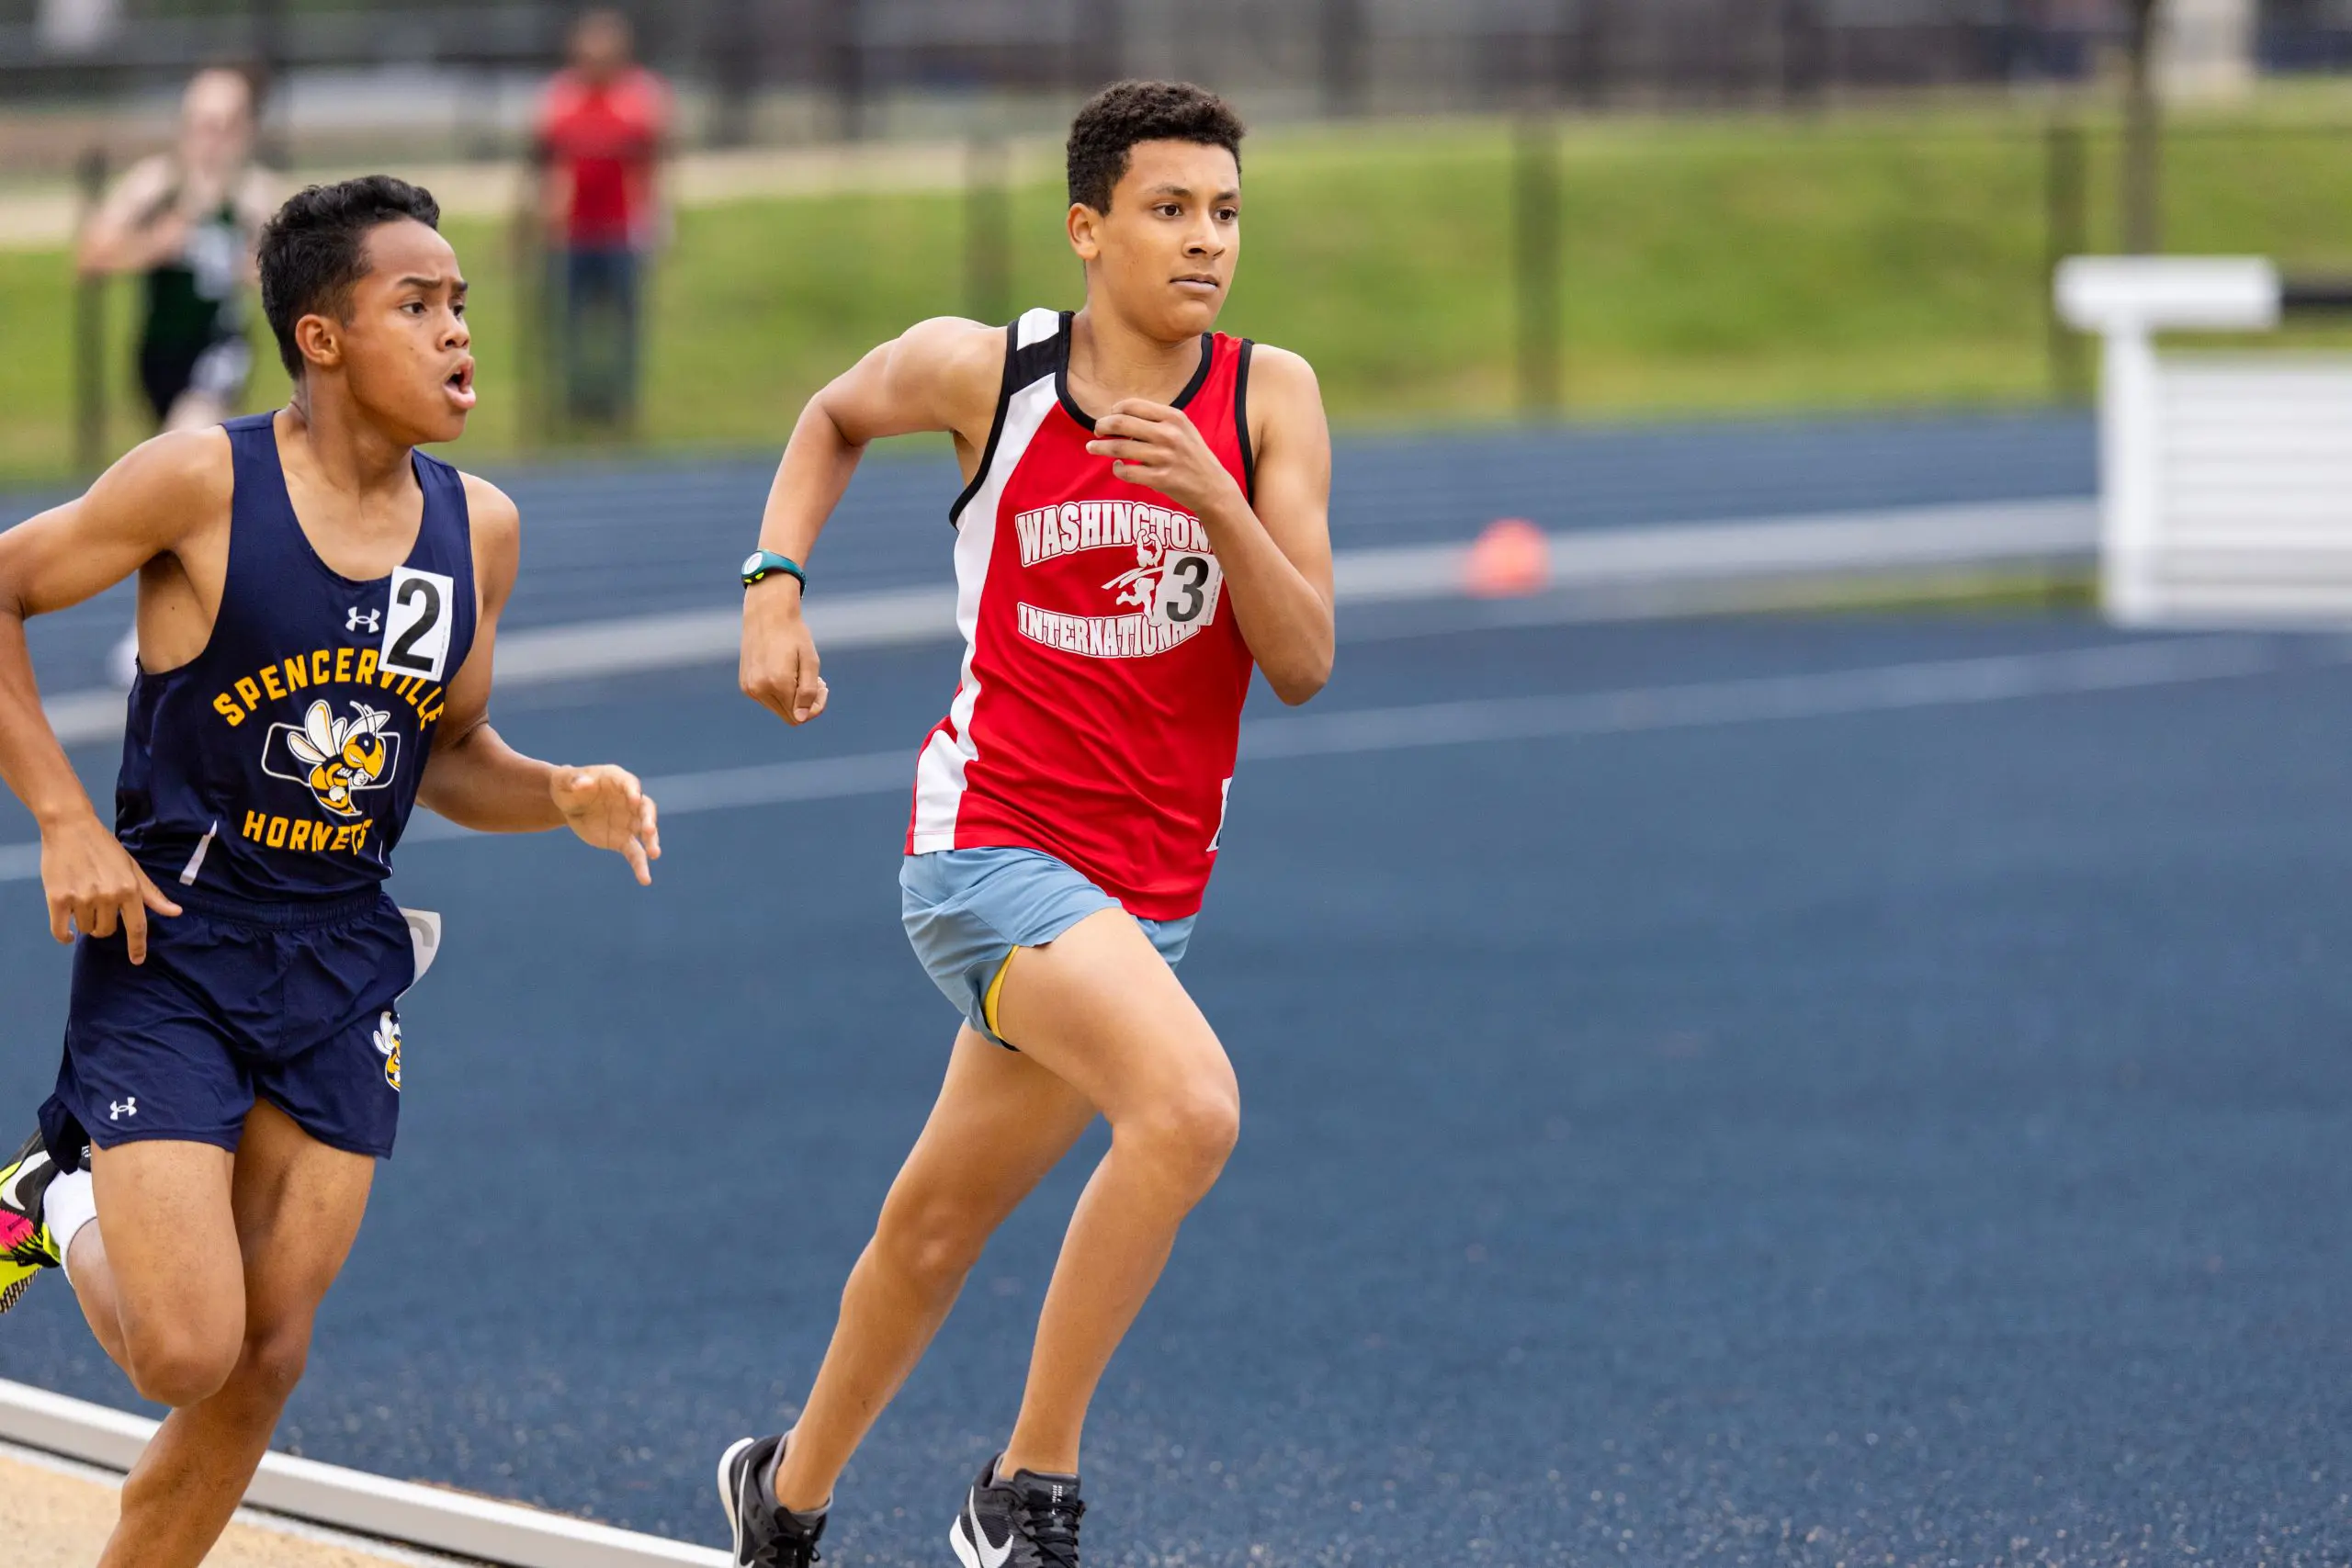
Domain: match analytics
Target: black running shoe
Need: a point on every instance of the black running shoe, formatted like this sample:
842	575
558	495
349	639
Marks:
1030	1521
768	1534
25	1246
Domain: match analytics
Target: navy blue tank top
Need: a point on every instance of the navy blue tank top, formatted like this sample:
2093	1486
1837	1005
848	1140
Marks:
281	762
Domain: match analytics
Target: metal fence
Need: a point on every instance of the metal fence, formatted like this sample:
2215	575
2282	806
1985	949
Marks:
1325	56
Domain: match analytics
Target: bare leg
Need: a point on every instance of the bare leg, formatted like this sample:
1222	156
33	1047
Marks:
93	1279
1100	1009
1000	1125
297	1206
160	1279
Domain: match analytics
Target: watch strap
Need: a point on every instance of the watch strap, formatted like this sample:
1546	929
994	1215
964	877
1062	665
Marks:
765	564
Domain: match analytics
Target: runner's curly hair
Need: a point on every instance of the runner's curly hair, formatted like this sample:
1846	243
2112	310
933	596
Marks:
1127	112
315	248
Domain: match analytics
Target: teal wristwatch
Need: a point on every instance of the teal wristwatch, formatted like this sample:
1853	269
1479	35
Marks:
762	564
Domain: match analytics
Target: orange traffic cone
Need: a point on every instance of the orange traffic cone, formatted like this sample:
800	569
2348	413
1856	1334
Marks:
1511	558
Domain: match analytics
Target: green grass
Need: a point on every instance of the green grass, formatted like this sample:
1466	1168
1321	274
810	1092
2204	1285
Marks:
1725	265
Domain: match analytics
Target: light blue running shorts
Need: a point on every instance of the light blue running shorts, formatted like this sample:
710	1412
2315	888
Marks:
965	910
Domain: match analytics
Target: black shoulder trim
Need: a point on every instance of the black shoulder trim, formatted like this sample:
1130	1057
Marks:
1241	423
1024	367
1042	359
996	426
1201	376
1062	335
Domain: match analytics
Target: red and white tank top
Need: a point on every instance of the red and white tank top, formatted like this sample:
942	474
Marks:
1103	676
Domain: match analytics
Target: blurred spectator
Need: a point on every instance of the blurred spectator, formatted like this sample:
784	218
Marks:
188	220
601	128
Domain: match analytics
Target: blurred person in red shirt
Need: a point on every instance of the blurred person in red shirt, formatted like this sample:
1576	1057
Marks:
602	124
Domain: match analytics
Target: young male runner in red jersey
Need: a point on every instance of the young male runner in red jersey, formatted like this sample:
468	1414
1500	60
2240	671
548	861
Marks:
1144	521
318	602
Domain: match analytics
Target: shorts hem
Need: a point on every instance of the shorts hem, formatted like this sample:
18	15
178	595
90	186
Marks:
336	1141
1053	933
115	1138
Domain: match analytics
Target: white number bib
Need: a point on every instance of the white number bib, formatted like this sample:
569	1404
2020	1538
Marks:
416	628
1189	587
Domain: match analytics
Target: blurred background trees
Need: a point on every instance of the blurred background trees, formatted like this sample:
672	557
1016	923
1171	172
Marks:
1460	208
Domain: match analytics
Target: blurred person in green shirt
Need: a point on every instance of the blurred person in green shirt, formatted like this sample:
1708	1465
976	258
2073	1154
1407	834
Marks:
187	221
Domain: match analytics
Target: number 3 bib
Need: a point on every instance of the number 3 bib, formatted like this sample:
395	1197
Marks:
1189	587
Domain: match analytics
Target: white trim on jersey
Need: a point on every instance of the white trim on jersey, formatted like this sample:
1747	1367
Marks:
196	860
939	771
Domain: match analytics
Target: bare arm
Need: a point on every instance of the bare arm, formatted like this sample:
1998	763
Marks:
942	374
128	233
550	192
1276	551
143	507
478	780
552	187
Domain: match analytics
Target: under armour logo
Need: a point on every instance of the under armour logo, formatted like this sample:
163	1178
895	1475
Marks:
364	620
127	1106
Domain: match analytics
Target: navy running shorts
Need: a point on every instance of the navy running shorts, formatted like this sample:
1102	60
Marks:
290	1003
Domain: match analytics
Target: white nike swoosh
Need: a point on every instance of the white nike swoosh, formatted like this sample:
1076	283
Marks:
9	1193
990	1556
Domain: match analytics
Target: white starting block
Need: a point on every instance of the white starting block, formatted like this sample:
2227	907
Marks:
2226	477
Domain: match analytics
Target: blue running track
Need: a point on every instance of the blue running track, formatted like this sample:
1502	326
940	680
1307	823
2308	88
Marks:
603	540
1791	1091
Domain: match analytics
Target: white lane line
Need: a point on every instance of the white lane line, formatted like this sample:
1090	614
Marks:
1941	684
85	718
894	617
1660	570
1950	683
719	789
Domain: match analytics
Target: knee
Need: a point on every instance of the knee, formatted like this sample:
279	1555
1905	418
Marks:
931	1244
273	1361
1187	1135
180	1367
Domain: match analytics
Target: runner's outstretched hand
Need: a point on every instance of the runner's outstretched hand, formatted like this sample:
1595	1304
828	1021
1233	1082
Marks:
608	807
93	885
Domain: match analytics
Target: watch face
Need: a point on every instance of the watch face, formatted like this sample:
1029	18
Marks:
751	563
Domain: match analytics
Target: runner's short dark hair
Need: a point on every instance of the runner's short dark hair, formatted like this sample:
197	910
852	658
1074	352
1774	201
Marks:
1127	112
315	248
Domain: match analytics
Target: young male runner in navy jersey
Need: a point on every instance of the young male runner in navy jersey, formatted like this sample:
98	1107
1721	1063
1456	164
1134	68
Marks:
317	605
1145	523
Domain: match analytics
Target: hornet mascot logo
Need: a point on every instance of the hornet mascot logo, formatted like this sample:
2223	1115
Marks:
387	1040
344	756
